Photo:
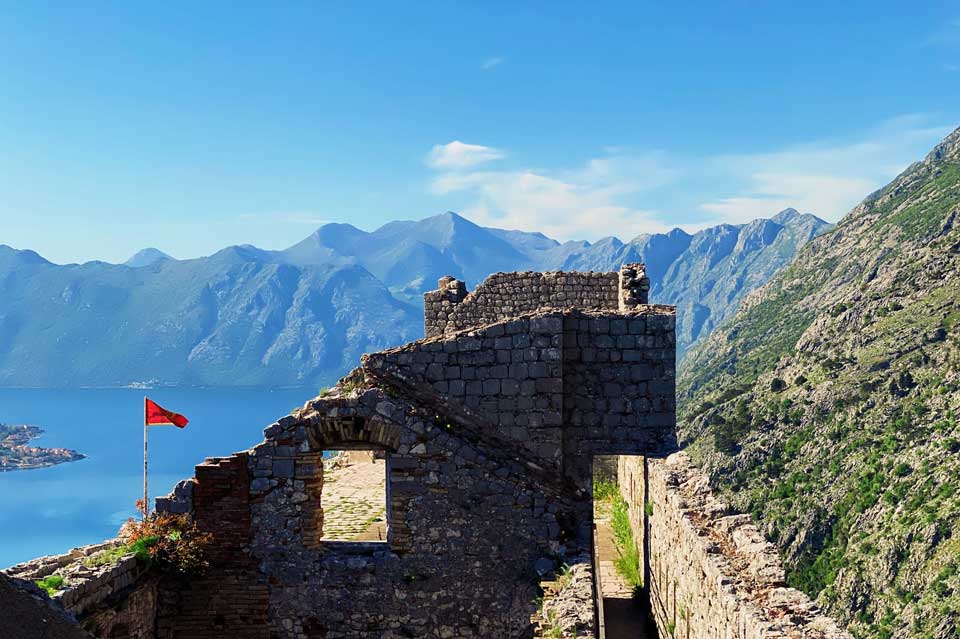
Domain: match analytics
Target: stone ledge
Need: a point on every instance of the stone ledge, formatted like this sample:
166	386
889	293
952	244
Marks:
710	568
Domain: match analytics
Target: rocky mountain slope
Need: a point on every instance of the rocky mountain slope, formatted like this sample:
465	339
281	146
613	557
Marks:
827	408
706	274
304	315
229	319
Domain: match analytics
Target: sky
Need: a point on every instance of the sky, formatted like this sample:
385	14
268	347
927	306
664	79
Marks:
190	126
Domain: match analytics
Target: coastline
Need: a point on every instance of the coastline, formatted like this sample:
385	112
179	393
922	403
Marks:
16	454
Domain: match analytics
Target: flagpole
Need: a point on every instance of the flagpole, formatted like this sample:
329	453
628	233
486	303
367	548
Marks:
146	504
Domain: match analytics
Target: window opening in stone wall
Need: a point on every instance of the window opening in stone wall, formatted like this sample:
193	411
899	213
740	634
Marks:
354	496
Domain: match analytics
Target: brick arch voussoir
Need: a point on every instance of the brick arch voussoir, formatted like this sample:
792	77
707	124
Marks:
352	432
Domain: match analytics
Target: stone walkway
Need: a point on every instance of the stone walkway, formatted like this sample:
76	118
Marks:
622	615
354	502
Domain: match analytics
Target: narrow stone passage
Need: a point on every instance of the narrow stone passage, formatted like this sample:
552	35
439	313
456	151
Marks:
623	614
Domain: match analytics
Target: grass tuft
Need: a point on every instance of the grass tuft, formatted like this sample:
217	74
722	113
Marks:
52	584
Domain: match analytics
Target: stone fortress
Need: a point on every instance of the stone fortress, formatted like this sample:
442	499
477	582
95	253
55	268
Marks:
490	428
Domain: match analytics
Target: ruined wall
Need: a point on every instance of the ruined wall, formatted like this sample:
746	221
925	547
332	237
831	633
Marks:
488	435
27	613
230	600
619	385
510	372
710	574
467	524
564	384
505	295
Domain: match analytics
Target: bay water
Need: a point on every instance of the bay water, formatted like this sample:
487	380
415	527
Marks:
46	511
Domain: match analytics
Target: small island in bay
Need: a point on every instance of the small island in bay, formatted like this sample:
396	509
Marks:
15	454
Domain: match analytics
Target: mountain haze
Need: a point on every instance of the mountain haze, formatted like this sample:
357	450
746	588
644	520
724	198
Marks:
229	319
828	406
706	274
304	315
146	257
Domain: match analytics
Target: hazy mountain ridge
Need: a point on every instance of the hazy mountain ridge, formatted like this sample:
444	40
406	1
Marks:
704	273
827	407
304	315
224	320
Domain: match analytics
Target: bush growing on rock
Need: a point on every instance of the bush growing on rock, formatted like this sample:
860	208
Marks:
170	542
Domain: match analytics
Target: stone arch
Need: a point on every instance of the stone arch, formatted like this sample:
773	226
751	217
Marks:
354	432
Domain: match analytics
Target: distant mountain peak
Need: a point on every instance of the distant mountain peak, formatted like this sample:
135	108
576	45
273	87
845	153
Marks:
791	215
24	255
147	257
340	226
786	215
948	149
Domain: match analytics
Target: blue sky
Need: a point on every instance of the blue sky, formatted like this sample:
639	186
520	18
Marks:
191	126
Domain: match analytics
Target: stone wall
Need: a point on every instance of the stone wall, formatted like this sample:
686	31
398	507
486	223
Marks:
467	527
27	613
709	573
113	600
619	389
230	600
504	295
563	384
488	435
510	372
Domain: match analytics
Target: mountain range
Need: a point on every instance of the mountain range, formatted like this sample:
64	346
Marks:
304	315
827	407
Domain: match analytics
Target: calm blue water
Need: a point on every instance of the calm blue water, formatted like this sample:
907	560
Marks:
50	510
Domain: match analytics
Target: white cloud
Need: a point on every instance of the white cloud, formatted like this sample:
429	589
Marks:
489	63
774	192
457	155
826	178
625	193
576	204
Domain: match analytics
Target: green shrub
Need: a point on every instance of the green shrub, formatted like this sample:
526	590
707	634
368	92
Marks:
605	490
902	470
52	584
838	309
107	557
170	542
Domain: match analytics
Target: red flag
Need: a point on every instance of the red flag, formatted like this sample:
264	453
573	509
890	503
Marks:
155	415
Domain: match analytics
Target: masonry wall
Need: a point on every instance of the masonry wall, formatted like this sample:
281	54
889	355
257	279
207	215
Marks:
505	295
486	433
708	573
510	373
563	384
231	599
467	526
113	601
619	385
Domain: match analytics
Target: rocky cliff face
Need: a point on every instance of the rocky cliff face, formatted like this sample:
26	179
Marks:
705	275
827	408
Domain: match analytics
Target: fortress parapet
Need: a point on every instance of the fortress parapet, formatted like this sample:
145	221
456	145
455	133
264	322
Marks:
501	296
